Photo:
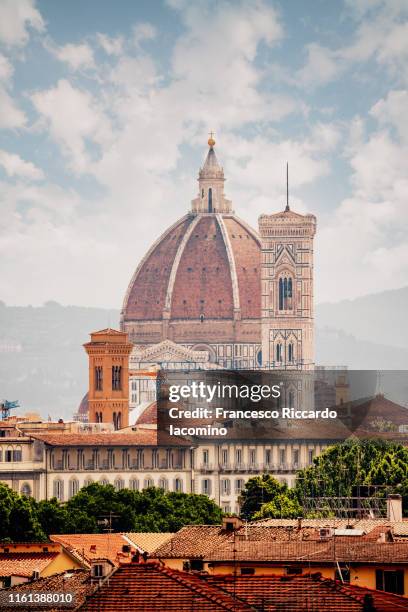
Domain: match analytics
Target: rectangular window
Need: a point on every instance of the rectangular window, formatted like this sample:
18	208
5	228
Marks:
97	570
295	457
247	571
224	456
205	457
311	455
238	456
282	456
390	581
268	456
252	456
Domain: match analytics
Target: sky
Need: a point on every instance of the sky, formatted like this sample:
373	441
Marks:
105	110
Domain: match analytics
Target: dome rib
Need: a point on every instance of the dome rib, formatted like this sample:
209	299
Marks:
127	306
231	261
176	263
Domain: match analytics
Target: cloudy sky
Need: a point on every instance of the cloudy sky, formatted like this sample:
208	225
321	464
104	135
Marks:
105	109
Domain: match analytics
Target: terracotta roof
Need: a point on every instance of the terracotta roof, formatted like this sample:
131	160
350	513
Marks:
340	549
90	546
24	564
364	524
151	586
148	416
304	592
198	541
72	581
148	542
198	263
141	437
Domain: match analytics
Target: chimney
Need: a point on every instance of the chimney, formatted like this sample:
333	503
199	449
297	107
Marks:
394	508
231	523
299	523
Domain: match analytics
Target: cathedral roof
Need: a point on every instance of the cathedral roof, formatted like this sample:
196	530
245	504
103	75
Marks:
205	265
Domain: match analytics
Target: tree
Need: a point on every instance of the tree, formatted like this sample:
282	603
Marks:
18	517
343	467
258	491
149	510
284	505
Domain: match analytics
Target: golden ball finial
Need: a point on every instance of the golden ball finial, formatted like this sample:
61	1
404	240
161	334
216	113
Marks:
211	141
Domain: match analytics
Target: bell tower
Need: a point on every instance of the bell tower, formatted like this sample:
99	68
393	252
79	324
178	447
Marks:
108	396
287	325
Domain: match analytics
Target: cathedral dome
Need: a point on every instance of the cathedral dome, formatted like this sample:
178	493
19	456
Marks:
200	281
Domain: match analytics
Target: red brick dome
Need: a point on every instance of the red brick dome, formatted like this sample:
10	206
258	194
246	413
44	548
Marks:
205	268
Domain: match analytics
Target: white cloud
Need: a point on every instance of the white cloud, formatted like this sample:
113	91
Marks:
10	115
6	69
74	119
76	56
322	66
362	248
381	35
143	32
15	166
111	45
16	17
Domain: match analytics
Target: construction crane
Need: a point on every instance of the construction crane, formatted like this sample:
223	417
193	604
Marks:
6	406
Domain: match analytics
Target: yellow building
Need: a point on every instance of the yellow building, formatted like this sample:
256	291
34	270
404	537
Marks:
23	562
365	554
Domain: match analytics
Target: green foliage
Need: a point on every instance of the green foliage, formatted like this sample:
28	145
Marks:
258	491
23	519
356	462
283	505
18	517
333	474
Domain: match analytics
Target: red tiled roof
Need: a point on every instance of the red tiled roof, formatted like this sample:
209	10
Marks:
153	587
90	546
313	552
148	416
76	582
141	437
24	564
202	275
304	592
279	543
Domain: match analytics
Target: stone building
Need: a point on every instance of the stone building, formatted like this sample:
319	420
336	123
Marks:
200	283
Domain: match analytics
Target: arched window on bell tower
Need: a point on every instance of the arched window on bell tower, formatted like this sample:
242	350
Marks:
290	352
210	206
285	293
279	352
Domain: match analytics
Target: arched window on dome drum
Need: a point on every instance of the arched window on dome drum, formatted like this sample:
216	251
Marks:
285	293
210	207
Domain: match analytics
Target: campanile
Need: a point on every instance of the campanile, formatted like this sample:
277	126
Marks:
287	325
108	395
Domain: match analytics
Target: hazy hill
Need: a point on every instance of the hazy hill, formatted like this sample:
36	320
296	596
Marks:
48	372
44	366
380	318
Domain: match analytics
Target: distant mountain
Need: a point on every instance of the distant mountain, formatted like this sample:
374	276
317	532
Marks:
42	361
44	366
380	318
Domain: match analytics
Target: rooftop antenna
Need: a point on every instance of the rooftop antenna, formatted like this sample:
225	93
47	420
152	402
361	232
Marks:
287	209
